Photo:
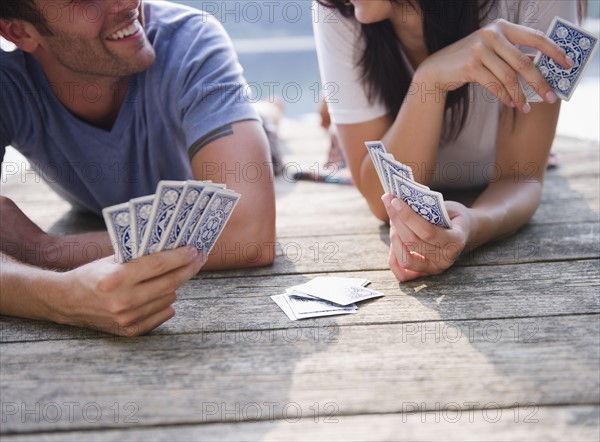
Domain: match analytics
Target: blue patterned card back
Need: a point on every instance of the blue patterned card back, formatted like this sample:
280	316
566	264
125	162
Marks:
213	220
579	44
118	224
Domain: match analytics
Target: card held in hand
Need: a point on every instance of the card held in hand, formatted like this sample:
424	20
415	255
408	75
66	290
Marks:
427	203
213	220
165	201
190	194
579	44
375	148
118	224
139	211
195	213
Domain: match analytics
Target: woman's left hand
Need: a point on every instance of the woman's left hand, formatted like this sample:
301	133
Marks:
419	248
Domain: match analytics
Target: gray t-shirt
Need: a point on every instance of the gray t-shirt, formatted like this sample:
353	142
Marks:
195	86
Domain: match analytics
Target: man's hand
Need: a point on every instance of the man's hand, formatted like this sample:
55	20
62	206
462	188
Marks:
123	299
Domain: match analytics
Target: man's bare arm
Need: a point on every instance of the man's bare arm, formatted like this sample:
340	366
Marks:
22	239
238	155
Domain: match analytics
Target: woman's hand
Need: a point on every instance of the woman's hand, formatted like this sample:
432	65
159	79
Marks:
126	299
490	57
419	248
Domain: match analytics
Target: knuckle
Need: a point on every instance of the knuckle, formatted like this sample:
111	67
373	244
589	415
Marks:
428	235
490	34
128	330
510	79
477	51
170	283
539	36
500	23
124	321
158	266
524	62
109	282
116	307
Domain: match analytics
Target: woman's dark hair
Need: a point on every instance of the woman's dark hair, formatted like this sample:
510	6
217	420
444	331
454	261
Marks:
384	72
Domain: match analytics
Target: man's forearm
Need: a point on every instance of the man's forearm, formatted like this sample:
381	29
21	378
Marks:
26	291
22	239
68	252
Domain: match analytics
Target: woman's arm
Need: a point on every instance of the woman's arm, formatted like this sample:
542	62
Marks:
413	137
419	248
488	57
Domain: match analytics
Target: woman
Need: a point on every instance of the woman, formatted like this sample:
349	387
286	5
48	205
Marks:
437	82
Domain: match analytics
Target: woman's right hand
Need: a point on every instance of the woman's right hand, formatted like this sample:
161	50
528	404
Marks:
490	57
126	299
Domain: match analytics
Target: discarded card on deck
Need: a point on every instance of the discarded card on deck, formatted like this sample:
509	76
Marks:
318	297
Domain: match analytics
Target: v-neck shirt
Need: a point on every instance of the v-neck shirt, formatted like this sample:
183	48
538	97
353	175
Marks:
195	86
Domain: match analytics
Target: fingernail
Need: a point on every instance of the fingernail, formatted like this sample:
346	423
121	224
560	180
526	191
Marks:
202	258
387	199
193	251
551	97
570	61
526	108
512	104
396	205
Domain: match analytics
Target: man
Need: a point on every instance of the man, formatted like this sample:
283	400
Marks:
142	92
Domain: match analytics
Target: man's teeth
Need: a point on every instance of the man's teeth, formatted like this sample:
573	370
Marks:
129	30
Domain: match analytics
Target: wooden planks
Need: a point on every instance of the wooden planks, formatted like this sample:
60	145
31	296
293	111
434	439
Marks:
513	329
360	370
234	304
531	423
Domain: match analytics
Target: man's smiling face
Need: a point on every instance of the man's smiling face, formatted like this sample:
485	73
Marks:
102	38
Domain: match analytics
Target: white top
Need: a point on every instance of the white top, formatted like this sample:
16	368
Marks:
467	161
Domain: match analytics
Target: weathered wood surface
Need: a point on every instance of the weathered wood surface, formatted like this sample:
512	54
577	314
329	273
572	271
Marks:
513	324
575	423
361	370
243	304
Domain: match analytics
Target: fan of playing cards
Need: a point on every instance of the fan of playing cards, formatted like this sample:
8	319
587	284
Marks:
397	179
324	296
178	214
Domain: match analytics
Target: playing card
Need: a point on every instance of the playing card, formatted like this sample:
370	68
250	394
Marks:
336	291
303	308
325	282
427	203
195	213
391	167
403	169
373	147
165	201
283	305
139	212
190	194
213	220
579	44
311	308
118	224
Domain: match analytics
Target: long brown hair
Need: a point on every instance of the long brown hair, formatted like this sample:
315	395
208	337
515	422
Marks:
384	72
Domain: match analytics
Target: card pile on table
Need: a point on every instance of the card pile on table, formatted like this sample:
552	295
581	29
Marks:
579	45
398	180
180	213
324	296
